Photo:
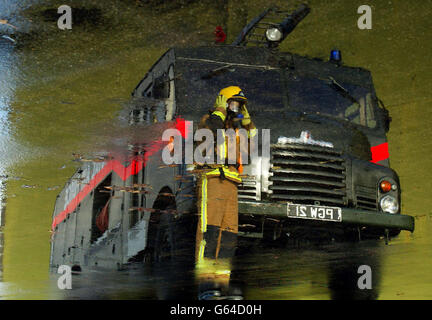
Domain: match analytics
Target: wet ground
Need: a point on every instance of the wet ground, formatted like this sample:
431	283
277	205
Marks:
61	91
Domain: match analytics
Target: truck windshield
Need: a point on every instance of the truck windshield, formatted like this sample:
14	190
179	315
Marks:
331	98
198	85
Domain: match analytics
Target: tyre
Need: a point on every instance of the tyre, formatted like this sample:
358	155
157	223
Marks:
273	233
174	241
394	232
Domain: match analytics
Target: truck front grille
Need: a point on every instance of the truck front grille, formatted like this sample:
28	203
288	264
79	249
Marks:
366	198
247	190
307	174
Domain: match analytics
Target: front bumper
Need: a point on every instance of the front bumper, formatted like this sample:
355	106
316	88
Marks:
353	217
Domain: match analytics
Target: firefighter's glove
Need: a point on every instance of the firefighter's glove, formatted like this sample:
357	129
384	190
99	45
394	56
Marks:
246	117
221	102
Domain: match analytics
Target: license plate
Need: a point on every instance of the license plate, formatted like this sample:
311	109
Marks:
314	212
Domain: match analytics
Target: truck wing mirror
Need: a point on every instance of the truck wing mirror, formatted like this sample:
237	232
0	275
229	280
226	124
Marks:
386	116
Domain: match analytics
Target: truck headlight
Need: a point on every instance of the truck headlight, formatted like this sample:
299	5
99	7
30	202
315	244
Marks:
389	204
273	34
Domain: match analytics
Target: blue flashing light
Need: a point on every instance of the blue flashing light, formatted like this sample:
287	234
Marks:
336	56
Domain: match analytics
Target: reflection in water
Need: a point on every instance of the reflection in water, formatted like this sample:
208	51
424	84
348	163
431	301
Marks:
10	151
1	250
138	282
69	83
261	272
307	271
343	277
6	90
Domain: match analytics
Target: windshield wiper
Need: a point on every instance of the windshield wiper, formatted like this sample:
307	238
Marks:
216	72
341	90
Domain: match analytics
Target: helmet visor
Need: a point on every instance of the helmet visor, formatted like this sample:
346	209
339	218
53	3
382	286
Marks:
234	105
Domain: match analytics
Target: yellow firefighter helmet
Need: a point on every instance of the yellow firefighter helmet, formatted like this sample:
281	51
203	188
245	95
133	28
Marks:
234	93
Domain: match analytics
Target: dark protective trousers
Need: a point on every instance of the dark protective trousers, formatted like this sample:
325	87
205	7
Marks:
216	238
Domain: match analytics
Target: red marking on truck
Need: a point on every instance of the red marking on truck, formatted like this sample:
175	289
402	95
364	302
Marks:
183	126
123	172
113	165
380	152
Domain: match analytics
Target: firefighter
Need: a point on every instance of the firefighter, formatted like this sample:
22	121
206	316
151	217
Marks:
216	238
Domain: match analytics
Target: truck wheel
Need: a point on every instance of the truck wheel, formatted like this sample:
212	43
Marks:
174	240
272	233
394	232
164	242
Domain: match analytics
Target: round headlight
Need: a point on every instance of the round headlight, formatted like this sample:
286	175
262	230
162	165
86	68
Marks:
273	34
389	204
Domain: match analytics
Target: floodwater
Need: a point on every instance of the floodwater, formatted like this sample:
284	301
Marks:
61	91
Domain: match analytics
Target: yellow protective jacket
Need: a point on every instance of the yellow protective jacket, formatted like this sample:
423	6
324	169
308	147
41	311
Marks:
217	119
